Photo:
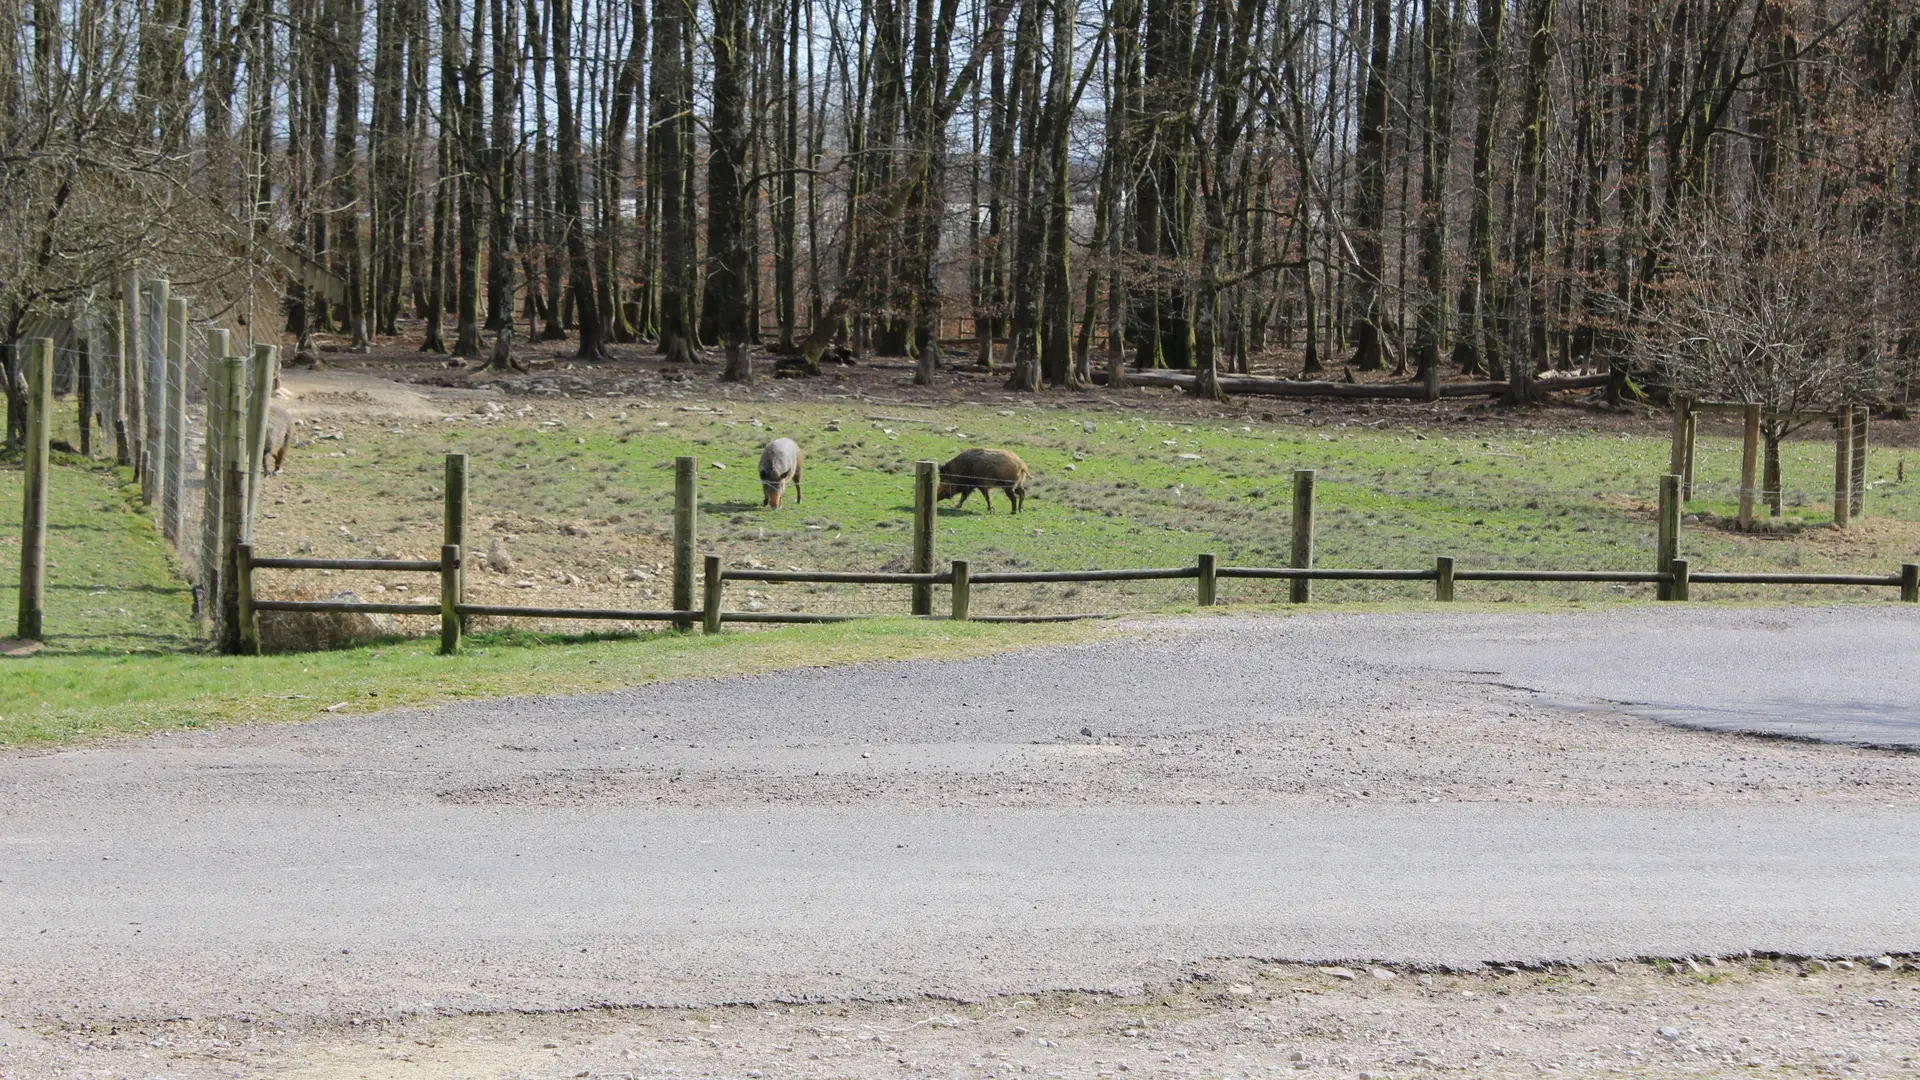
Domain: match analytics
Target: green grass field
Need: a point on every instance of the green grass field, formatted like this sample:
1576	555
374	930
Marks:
1111	490
1115	490
111	587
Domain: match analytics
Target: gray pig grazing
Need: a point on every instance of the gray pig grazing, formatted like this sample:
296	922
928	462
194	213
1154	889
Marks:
982	471
780	462
279	438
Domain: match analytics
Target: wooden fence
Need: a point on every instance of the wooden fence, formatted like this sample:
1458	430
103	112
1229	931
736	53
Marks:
1850	435
1672	575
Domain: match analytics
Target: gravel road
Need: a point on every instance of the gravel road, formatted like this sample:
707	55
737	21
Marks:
1423	789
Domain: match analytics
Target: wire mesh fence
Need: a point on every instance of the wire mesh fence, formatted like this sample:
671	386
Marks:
141	367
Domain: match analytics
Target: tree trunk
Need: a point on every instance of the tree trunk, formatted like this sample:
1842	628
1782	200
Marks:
1436	144
1056	358
387	154
1771	435
473	165
1023	340
1370	215
931	47
445	183
502	164
1478	348
1528	343
726	206
350	261
580	268
673	155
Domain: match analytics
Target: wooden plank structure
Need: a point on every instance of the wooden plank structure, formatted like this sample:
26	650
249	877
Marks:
1850	431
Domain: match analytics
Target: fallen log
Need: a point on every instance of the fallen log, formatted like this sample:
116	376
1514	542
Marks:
1268	387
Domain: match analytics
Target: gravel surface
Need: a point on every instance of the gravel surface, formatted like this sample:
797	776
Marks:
1701	1017
1426	789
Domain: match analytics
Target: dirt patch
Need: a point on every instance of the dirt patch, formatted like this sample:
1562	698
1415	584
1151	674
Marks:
1698	1017
370	392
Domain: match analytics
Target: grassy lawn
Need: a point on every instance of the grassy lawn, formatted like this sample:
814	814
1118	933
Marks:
1111	490
111	588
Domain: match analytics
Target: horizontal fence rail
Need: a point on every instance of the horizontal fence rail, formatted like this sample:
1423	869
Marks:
346	607
1739	578
1298	573
509	611
844	577
1011	577
396	566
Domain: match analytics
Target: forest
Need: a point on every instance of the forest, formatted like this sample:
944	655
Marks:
1716	195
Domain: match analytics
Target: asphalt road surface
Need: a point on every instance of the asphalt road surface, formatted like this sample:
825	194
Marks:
1422	788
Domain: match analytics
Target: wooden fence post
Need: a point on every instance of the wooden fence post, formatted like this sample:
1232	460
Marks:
1749	464
685	491
452	557
1667	537
1682	580
1910	583
1208	580
154	387
1842	465
962	589
1677	454
261	372
233	501
925	474
453	514
33	511
153	383
1686	474
710	596
1857	497
173	441
83	388
243	588
127	428
1301	590
1443	578
216	415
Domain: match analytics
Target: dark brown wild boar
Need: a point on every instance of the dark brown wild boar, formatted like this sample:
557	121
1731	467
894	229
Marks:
780	462
279	438
982	471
